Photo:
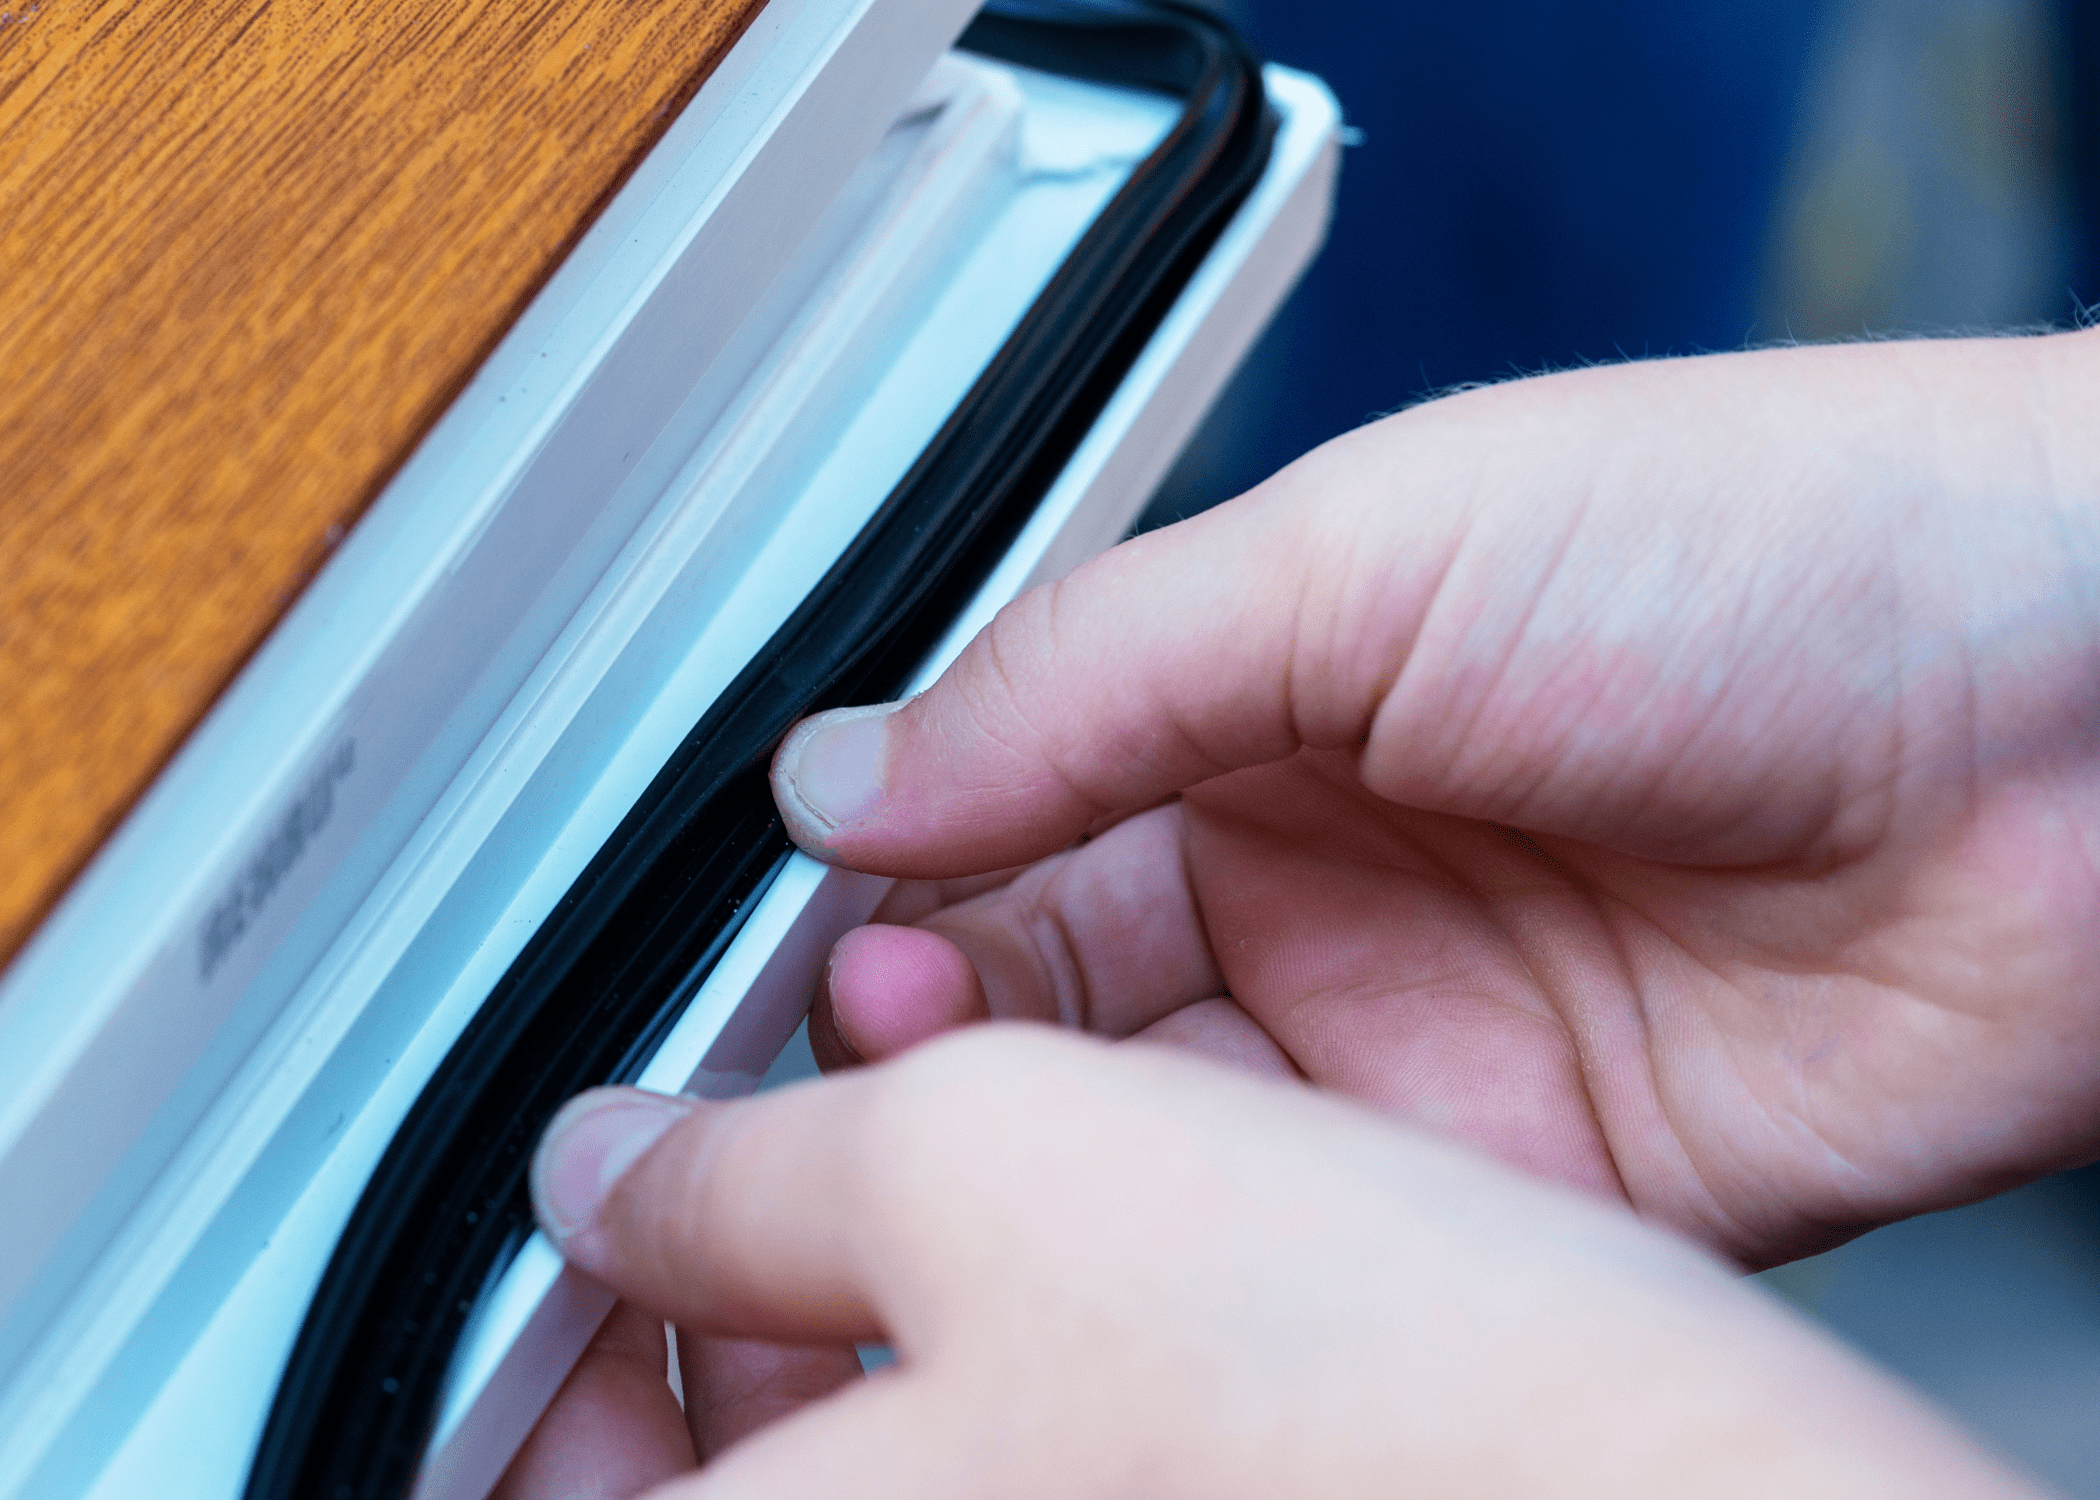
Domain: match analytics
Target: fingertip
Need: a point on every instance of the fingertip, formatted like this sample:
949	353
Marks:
833	1050
735	1217
829	773
888	988
589	1145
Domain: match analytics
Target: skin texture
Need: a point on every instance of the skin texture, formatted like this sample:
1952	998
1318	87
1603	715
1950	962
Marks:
1206	1286
1676	781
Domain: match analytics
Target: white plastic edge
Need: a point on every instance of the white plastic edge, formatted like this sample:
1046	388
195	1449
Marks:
808	88
537	1321
202	1411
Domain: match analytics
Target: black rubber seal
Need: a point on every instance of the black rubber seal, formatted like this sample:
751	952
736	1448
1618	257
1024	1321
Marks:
613	966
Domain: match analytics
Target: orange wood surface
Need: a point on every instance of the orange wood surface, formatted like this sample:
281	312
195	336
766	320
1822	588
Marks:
248	251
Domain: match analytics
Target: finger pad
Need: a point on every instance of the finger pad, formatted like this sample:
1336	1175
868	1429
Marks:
893	986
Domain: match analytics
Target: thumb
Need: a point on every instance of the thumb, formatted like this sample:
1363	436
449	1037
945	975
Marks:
1171	659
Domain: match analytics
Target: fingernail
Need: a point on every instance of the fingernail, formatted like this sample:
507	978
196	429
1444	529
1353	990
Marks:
596	1137
829	770
823	1011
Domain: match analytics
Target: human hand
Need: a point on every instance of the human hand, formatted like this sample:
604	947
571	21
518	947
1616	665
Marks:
1129	1273
1679	779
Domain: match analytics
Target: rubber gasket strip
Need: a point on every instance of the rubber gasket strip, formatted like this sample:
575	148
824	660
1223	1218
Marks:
615	963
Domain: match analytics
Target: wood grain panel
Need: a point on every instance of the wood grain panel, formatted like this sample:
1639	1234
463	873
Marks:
248	251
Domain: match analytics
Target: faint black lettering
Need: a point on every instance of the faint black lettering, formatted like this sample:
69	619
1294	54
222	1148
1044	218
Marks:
236	911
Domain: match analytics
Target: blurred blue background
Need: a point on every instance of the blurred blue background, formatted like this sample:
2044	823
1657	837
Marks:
1541	183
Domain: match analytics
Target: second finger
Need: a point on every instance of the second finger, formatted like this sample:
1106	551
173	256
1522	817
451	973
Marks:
1103	938
734	1387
